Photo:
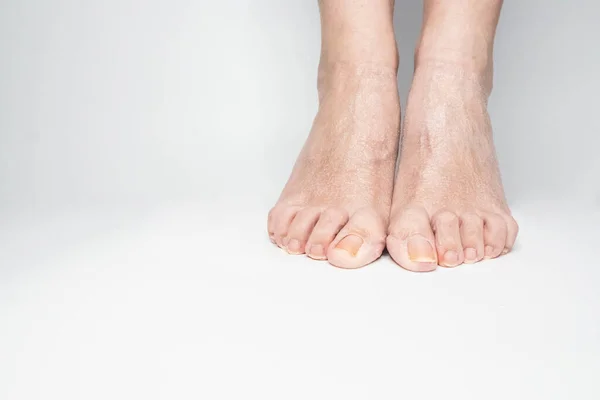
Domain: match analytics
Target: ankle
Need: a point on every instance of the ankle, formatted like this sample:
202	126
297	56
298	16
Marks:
342	73
476	62
469	74
375	46
385	58
469	55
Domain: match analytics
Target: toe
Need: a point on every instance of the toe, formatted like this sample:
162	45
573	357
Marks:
325	230
360	242
270	226
494	235
512	230
282	218
471	237
446	226
300	229
411	242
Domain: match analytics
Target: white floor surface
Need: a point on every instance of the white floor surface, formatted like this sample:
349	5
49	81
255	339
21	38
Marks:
181	302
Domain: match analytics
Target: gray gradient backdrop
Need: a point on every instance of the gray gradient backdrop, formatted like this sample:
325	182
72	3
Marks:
143	142
106	101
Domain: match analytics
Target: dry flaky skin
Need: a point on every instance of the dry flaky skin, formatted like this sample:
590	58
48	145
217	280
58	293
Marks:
448	203
342	182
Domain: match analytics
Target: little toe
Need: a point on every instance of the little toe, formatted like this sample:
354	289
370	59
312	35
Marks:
471	236
282	218
512	230
270	226
325	230
446	226
360	242
494	235
411	242
300	229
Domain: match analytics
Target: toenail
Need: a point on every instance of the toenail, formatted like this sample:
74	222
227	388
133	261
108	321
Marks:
420	249
505	251
351	244
470	254
285	241
293	246
489	250
451	258
272	239
317	251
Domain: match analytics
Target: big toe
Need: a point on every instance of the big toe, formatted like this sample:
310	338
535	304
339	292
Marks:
411	242
360	242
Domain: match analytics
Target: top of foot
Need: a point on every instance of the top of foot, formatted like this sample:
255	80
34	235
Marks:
449	206
336	203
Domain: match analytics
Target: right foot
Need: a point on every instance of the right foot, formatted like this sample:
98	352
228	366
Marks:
336	203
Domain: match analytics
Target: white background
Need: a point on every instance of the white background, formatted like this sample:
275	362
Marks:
143	142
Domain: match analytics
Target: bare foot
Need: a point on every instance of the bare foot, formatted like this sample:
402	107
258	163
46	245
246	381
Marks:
449	205
336	203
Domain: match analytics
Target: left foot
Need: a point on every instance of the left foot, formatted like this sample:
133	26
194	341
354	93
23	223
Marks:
449	206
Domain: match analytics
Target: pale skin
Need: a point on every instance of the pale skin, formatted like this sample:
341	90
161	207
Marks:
444	204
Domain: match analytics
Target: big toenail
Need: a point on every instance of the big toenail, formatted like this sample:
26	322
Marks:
316	251
420	250
489	250
451	258
293	246
351	244
470	254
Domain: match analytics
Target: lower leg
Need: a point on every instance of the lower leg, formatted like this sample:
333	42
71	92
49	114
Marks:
336	203
461	33
357	32
449	204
